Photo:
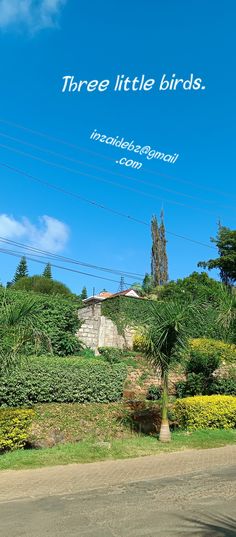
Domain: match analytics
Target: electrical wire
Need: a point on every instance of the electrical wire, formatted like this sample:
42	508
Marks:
83	149
104	170
19	254
106	181
96	204
48	254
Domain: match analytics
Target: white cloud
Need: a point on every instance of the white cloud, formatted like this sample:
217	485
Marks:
10	228
50	234
34	14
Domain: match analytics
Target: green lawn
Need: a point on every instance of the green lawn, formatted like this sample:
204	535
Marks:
136	446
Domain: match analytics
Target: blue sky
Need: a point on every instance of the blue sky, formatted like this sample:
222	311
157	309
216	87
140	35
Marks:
42	41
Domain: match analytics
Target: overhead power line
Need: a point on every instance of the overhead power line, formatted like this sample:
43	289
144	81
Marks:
104	170
25	254
102	180
62	190
106	157
44	253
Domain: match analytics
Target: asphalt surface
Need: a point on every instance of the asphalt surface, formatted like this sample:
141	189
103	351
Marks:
201	502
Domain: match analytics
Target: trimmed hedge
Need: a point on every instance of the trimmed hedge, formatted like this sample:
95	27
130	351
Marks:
14	428
64	380
215	348
206	412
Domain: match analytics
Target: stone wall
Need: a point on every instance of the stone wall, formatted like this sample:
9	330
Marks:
99	331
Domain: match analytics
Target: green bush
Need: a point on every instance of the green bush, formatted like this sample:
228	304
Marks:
224	386
47	380
201	363
14	428
194	385
206	412
205	357
154	393
111	354
86	353
57	317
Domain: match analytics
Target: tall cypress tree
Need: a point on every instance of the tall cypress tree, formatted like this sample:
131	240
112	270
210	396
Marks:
21	270
155	254
159	262
163	256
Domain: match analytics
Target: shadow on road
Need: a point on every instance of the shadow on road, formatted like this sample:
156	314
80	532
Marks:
213	526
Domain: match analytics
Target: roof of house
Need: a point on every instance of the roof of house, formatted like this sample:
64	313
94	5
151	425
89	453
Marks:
127	292
104	295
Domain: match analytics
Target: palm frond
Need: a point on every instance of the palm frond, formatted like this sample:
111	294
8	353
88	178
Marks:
166	332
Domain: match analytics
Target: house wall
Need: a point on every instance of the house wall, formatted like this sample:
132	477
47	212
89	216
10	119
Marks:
99	331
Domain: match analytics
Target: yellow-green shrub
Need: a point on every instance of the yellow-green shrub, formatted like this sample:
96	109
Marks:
138	342
225	351
14	428
206	412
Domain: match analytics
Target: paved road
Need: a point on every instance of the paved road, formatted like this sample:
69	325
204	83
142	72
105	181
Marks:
192	493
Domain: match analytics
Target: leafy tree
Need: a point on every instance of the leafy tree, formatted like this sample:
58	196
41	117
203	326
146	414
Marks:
21	270
196	286
47	273
166	336
226	260
148	284
207	292
84	294
40	284
145	288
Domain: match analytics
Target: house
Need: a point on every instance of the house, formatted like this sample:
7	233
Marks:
100	331
105	294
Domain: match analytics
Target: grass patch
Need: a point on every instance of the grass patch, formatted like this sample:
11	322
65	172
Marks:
90	451
74	422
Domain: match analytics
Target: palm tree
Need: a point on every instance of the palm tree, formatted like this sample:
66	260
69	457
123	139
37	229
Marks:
165	339
17	327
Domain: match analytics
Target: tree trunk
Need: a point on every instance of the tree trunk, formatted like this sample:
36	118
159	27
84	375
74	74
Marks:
165	435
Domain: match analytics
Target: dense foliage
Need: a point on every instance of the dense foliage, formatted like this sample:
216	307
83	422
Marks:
206	412
226	260
214	348
42	284
57	318
205	358
18	328
47	380
154	393
111	354
197	286
209	294
126	311
14	428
